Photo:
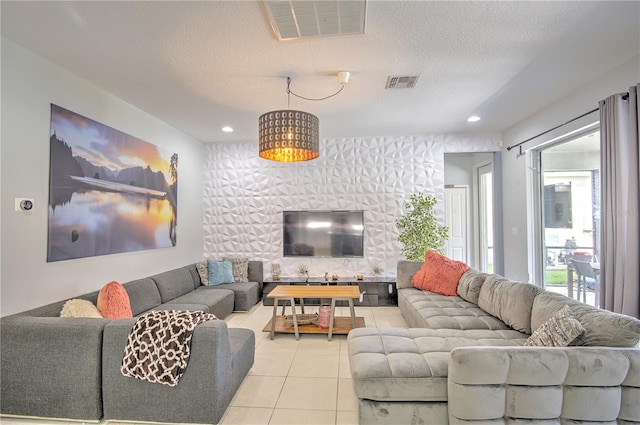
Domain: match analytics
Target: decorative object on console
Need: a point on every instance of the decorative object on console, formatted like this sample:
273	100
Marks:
239	267
439	274
292	136
376	270
113	301
419	229
220	272
303	272
334	277
80	308
359	277
275	271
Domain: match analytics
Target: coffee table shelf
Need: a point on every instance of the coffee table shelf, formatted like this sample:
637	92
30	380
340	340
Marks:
289	295
341	326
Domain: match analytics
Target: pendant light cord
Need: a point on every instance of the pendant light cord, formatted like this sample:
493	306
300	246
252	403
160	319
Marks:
289	92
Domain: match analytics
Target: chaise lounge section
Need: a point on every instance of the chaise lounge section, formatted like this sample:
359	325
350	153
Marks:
463	359
69	368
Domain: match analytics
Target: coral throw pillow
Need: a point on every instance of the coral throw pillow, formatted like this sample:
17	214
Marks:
113	301
439	274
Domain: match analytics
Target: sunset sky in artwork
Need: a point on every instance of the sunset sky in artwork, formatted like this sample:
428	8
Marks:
105	146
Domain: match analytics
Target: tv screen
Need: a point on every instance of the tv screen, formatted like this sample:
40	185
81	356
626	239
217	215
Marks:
323	233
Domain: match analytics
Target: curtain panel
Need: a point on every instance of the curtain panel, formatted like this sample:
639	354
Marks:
620	221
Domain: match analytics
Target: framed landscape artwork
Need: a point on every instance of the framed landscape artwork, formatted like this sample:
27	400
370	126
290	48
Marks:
109	192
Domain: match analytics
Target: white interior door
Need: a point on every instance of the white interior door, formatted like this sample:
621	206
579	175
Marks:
456	219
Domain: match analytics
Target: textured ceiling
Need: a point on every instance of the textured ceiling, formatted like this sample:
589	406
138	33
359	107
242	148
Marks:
202	65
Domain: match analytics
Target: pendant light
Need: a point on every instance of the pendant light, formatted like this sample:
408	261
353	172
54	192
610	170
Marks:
292	136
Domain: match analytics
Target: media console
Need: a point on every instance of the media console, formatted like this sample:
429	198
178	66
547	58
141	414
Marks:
374	291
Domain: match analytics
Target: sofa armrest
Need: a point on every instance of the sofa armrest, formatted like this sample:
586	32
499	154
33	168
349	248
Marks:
597	384
256	272
405	271
52	367
201	396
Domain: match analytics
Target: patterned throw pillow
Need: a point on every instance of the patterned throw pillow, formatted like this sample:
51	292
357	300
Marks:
240	268
203	271
559	331
113	301
79	308
220	272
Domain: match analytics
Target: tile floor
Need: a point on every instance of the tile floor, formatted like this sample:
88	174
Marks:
291	382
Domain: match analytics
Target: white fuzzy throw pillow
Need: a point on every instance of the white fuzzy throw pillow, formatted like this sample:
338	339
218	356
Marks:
79	308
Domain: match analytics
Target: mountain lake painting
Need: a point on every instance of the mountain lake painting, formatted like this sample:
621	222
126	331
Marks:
109	192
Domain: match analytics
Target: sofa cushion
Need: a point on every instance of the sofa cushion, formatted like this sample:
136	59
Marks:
245	294
143	295
602	327
239	268
393	364
469	285
439	274
80	308
113	301
173	283
219	301
509	301
559	331
431	310
220	272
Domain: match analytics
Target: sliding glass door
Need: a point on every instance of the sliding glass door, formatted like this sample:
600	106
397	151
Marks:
569	216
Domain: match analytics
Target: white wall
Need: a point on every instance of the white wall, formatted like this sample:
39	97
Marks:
29	85
245	195
517	255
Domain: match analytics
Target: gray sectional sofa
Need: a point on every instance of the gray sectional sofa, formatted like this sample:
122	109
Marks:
463	359
70	367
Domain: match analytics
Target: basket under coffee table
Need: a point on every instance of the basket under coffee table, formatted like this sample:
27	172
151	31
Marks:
289	294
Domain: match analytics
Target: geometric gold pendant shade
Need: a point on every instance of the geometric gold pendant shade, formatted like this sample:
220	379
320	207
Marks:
289	136
292	136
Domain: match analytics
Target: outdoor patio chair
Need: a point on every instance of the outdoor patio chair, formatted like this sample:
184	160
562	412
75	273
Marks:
587	278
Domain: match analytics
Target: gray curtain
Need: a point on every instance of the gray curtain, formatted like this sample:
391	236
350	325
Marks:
620	221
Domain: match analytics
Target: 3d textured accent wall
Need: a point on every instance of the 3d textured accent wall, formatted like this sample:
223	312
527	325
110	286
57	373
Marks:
244	195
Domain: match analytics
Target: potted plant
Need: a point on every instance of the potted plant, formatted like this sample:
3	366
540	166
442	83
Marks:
419	229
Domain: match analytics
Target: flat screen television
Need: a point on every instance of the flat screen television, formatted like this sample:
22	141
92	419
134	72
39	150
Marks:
323	233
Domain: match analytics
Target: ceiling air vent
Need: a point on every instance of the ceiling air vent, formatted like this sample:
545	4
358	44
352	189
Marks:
293	19
402	81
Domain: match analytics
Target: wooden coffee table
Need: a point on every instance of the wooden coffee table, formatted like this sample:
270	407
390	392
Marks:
289	293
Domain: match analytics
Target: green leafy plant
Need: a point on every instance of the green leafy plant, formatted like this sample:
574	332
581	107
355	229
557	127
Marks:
419	229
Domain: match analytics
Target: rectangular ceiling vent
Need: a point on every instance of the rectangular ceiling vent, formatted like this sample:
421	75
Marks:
402	81
294	19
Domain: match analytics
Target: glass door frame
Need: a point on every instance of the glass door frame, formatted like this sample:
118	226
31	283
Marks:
535	216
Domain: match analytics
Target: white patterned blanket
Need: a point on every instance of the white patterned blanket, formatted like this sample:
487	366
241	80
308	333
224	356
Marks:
159	345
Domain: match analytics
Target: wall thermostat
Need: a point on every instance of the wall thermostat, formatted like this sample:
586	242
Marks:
24	204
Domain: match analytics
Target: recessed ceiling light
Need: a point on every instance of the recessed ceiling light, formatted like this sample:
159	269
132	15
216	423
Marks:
227	129
473	118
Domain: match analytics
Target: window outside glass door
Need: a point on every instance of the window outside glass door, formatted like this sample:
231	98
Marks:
570	216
